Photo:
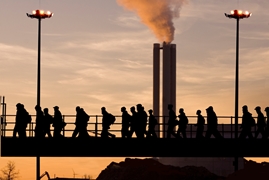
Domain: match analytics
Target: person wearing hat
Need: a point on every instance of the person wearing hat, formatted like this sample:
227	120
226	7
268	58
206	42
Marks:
152	123
172	122
58	122
200	124
247	122
212	124
260	123
126	119
183	122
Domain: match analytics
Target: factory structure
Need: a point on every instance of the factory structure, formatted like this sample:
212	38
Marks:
222	166
168	79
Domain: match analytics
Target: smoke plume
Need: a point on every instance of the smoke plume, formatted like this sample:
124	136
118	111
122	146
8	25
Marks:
158	15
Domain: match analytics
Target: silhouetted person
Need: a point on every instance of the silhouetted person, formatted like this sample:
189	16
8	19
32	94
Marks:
81	123
39	130
21	121
106	122
48	120
212	124
152	123
126	118
247	123
172	122
183	122
141	121
260	123
267	122
58	123
84	124
200	125
133	122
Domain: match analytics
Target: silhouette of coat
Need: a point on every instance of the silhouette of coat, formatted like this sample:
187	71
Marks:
21	121
58	122
106	124
152	123
183	122
134	122
247	123
212	124
172	122
200	125
126	119
48	120
39	128
260	123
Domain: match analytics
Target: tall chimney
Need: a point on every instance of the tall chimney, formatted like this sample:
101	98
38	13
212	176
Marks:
156	84
169	81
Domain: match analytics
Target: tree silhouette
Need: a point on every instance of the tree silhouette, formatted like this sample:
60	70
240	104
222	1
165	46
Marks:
9	172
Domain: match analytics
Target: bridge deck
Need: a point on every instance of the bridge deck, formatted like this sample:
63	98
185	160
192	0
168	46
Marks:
118	147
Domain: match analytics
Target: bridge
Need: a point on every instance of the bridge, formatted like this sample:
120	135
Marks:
95	146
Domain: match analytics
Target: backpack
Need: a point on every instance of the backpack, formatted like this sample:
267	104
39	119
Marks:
111	119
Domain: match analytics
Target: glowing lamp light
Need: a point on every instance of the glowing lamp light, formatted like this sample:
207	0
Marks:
40	14
238	14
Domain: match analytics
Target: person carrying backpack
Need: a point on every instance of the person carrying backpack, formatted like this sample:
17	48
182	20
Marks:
107	120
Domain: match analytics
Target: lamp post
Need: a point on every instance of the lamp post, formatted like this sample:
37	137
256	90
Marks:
237	14
39	14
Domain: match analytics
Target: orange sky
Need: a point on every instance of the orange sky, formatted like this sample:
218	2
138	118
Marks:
95	53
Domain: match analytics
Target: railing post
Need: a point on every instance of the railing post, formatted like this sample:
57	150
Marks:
164	126
96	126
191	130
64	126
231	127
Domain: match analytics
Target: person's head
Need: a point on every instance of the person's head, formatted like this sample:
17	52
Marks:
150	111
245	108
18	105
103	109
77	108
123	109
139	107
46	110
170	106
198	112
37	107
132	109
258	108
181	110
56	108
266	109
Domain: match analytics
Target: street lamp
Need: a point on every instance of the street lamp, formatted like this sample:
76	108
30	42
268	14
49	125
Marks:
237	14
39	14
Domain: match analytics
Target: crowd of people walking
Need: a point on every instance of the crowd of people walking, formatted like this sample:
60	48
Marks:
138	123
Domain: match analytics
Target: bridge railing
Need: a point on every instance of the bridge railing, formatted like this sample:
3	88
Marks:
226	126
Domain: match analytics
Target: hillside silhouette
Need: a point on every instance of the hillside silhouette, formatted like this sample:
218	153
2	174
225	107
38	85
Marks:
145	169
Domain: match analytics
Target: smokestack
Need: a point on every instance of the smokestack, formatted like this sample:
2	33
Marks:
169	80
156	84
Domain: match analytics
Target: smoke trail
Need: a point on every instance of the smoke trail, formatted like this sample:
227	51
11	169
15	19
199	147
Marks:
158	15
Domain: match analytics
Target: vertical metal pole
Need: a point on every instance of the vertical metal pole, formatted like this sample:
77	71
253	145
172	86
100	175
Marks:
236	89
38	95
